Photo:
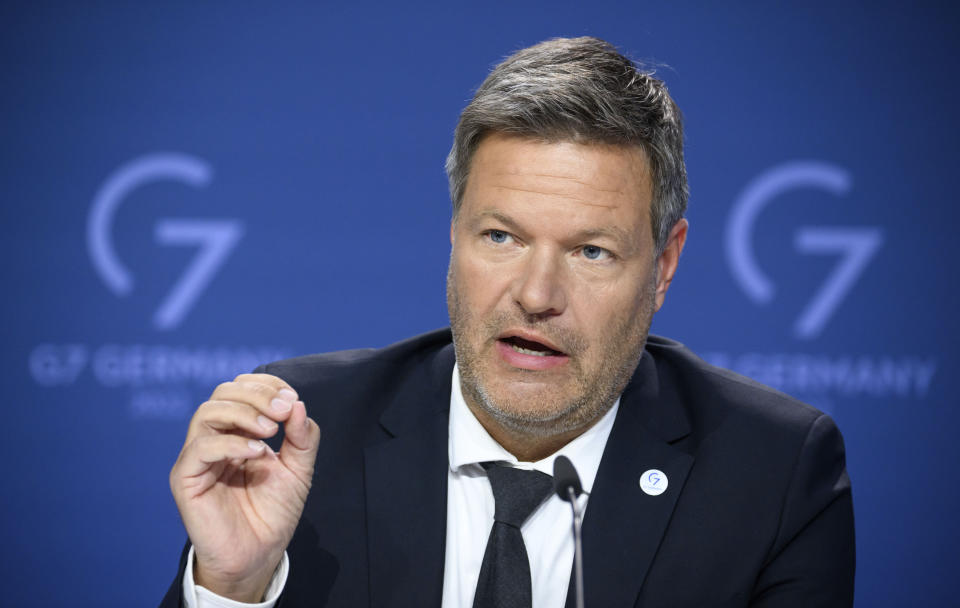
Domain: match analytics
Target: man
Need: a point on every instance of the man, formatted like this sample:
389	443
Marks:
702	487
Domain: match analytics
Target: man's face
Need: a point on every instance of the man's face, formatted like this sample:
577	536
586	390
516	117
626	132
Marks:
552	282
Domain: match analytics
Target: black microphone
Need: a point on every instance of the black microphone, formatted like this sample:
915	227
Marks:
565	478
566	482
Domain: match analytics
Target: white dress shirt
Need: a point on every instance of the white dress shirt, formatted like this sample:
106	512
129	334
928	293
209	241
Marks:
547	533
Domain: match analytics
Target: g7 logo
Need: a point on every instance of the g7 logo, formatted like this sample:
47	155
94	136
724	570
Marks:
216	238
856	244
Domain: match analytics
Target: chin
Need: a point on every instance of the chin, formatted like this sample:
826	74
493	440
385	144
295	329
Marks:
535	408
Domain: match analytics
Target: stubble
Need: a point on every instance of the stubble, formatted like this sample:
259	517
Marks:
590	392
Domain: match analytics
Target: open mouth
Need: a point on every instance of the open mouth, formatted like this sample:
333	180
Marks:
530	347
529	353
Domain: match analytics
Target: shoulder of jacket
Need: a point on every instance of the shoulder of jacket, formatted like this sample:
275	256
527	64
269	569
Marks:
358	364
724	392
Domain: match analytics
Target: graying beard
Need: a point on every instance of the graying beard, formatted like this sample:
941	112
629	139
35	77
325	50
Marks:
577	414
530	426
563	421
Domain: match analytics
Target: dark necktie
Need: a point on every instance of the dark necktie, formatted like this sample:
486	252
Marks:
504	580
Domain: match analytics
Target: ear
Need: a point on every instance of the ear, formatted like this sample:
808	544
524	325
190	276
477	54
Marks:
453	224
670	258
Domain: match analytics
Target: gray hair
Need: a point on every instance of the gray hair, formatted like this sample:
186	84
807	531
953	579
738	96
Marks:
580	90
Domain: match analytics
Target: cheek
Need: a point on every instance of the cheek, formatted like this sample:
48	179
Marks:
604	307
478	282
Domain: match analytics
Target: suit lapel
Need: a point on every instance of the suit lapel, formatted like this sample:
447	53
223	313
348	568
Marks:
406	486
623	524
406	490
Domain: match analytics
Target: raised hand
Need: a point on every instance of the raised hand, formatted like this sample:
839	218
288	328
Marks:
240	501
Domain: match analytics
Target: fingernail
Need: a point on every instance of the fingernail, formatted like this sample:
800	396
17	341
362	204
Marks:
255	445
287	395
306	419
280	406
266	423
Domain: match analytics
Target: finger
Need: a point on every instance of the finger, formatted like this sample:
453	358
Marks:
214	417
301	439
208	450
271	402
269	379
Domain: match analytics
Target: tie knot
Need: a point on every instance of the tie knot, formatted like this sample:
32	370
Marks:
516	492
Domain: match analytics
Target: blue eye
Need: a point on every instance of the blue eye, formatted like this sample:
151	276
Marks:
497	236
592	252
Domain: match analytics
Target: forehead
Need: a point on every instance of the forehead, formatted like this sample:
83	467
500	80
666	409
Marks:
604	175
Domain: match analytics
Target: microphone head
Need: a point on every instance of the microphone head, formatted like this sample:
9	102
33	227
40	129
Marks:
565	477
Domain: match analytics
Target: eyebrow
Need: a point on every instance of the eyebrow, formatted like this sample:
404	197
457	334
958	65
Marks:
500	217
615	232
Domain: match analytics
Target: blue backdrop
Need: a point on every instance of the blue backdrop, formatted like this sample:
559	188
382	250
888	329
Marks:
190	189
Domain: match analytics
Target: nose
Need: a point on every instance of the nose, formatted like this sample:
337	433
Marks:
540	288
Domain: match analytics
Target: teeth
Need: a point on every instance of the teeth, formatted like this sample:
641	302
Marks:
527	351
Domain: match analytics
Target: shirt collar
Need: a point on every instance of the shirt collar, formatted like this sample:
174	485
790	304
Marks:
470	444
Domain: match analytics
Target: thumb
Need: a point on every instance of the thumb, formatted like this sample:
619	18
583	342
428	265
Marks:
301	439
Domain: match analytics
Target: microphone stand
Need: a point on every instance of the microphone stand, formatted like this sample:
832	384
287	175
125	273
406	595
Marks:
578	546
568	487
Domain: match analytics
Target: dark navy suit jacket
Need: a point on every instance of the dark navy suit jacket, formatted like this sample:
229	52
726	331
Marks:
757	512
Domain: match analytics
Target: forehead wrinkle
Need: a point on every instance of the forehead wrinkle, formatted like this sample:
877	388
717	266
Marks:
568	178
559	195
574	180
